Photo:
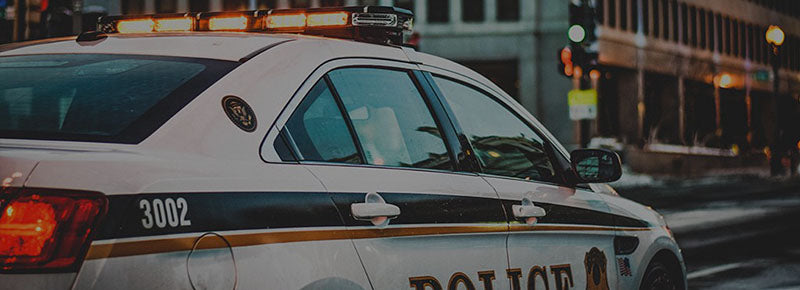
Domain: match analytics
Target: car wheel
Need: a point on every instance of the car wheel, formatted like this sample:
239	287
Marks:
660	277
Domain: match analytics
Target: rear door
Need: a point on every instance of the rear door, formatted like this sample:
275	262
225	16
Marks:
561	237
388	149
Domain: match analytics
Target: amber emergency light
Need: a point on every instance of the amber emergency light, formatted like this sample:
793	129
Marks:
377	24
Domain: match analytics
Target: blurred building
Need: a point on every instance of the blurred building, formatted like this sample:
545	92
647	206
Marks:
512	42
696	73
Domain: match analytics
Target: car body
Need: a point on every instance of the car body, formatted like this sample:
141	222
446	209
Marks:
224	191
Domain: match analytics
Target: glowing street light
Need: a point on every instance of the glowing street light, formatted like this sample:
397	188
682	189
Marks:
725	81
775	35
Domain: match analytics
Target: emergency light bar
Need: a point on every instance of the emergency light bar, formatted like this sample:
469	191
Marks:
377	24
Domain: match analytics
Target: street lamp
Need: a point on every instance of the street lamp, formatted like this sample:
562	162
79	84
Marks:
775	37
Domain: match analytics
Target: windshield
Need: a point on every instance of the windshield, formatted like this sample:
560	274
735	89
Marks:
98	97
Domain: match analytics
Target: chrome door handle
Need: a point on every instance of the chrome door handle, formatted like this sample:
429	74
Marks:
374	209
528	211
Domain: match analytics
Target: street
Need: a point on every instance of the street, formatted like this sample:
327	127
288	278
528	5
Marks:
744	239
770	261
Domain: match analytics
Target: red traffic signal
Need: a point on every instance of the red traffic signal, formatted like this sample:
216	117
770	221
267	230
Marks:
565	65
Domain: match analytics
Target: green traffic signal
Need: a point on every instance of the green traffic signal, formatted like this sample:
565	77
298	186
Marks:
576	33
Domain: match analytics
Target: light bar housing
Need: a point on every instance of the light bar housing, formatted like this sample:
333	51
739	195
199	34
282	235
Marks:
375	24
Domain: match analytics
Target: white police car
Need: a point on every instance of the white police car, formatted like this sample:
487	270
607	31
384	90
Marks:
189	151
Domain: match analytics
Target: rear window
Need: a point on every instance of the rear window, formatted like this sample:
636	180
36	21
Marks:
98	97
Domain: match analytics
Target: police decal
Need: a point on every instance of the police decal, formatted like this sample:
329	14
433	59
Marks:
596	275
240	113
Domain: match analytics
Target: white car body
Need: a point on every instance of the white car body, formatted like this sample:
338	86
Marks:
201	157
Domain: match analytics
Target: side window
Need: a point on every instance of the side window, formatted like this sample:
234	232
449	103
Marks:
505	145
319	130
390	117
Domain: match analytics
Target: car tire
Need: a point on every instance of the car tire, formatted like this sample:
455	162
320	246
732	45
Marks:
661	277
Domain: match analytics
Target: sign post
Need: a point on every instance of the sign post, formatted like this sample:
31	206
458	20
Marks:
582	104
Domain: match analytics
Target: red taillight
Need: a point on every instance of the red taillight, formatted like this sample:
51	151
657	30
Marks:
47	229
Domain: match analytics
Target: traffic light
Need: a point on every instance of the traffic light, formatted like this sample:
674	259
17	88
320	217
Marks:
581	34
582	24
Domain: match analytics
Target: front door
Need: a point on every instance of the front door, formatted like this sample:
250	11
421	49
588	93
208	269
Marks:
370	136
560	237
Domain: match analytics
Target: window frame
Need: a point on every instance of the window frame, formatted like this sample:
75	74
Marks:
269	154
555	154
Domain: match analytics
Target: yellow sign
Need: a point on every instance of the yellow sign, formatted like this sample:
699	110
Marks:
582	104
582	97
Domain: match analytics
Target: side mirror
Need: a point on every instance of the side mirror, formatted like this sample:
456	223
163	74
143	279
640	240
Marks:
596	165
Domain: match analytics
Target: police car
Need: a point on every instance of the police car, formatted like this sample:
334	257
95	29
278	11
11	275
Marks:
296	149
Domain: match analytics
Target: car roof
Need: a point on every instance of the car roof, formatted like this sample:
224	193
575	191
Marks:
231	46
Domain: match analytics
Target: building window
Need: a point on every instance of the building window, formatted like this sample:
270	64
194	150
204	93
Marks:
234	5
623	14
472	11
702	28
295	3
331	3
656	19
718	27
684	18
675	21
508	10
726	36
266	4
710	30
133	6
766	50
735	30
599	6
742	40
753	44
199	5
438	11
635	15
645	16
693	25
665	18
166	6
612	13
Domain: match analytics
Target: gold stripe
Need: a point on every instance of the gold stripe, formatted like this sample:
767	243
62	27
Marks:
539	228
155	246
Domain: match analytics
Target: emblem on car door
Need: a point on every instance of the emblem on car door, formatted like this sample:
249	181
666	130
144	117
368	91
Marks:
596	274
240	113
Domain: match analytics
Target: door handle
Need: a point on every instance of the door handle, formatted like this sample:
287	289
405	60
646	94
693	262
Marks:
374	209
528	211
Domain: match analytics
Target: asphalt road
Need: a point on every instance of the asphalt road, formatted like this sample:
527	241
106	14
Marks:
769	261
760	251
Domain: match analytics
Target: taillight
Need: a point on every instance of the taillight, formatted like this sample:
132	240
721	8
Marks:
47	229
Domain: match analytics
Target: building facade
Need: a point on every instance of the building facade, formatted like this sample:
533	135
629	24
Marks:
697	73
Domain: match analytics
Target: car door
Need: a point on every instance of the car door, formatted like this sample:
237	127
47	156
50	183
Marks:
416	222
561	237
